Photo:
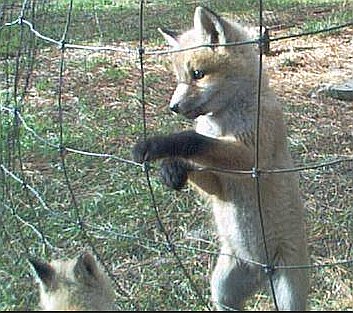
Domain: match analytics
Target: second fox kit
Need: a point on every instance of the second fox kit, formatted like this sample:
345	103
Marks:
77	284
218	87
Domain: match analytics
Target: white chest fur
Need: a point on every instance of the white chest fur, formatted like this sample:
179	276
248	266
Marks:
207	127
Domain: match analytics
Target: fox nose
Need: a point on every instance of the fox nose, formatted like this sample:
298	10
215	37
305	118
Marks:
175	107
179	97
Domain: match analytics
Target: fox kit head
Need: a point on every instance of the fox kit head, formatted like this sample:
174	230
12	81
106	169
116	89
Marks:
211	77
75	284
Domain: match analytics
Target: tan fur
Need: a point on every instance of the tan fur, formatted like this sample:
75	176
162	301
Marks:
77	284
226	101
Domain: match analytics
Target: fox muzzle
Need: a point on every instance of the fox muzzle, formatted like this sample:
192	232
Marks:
179	96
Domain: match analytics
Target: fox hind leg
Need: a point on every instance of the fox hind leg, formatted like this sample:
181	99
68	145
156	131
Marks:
233	282
291	289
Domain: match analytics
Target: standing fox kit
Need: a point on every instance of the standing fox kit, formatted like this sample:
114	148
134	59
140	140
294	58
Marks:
77	284
217	86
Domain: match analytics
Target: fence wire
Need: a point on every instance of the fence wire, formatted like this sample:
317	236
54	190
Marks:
13	171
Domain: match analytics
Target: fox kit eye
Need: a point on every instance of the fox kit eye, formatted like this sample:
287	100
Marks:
198	74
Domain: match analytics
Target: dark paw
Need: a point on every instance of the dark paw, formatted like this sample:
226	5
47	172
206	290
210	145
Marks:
146	151
174	173
151	149
140	152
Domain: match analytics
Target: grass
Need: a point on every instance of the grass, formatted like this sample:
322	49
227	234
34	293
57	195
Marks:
101	113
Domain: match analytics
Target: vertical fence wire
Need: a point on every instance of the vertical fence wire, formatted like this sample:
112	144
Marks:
170	245
17	100
257	171
79	219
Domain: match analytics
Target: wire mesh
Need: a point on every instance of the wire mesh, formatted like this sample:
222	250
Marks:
62	193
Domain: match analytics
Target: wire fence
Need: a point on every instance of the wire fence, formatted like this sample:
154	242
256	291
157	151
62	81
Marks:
30	214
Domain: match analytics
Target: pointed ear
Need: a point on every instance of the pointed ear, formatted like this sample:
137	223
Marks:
210	26
45	272
170	37
86	269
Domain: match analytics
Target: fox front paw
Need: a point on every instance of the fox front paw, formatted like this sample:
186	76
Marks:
144	151
153	148
174	173
140	152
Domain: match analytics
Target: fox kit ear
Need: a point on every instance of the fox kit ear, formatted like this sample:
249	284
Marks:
170	37
45	273
86	269
209	25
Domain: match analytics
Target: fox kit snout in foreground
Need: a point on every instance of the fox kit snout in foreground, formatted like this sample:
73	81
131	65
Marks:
217	86
77	284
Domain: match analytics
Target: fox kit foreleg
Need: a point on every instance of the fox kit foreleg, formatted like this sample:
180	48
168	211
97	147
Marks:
175	173
200	149
182	150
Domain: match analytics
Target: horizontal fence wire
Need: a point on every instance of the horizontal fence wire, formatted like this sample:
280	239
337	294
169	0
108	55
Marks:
111	230
139	52
309	166
135	51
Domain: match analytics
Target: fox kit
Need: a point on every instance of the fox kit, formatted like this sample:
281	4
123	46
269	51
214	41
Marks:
217	86
72	285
